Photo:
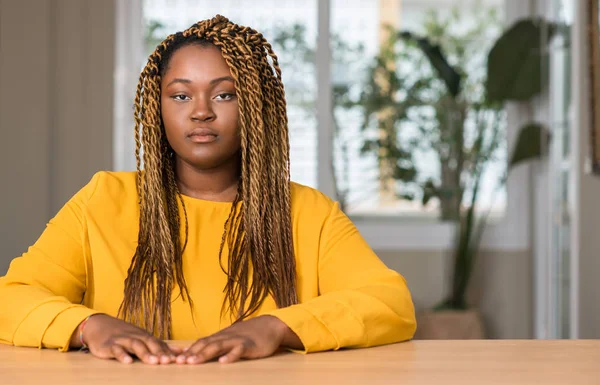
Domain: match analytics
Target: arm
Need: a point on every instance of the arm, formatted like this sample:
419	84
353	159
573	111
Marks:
41	295
362	303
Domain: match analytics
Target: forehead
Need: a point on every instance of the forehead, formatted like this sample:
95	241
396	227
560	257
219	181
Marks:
196	62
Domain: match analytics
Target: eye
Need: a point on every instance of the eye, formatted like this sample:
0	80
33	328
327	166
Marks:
225	96
180	98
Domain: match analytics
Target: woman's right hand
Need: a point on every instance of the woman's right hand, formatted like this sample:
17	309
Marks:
108	337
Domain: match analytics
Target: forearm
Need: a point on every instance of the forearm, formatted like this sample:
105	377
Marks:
364	317
33	316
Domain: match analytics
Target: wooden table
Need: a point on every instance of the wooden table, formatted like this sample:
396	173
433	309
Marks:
416	362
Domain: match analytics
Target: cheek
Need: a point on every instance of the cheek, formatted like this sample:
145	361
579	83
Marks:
231	115
170	126
170	116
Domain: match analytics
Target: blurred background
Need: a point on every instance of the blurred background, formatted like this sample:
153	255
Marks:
458	136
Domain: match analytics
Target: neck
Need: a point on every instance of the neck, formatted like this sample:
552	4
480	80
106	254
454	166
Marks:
217	184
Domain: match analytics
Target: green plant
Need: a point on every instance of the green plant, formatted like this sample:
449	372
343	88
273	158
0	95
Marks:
423	106
513	73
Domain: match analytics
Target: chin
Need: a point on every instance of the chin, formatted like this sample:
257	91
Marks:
208	160
205	163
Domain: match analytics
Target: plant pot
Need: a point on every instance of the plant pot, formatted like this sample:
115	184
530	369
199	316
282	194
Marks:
449	325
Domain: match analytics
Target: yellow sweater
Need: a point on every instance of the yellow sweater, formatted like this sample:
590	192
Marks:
348	298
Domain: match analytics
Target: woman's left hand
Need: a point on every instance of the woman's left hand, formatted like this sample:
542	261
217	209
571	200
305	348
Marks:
255	338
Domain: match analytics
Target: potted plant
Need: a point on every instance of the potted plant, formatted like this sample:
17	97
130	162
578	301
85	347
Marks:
513	69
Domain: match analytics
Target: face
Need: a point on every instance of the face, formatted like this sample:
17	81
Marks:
199	108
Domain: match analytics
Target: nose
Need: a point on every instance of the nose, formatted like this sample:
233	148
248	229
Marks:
202	111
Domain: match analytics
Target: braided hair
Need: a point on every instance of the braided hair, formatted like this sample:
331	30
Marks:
258	230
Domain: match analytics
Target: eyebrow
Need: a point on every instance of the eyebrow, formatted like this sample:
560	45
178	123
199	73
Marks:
212	82
221	79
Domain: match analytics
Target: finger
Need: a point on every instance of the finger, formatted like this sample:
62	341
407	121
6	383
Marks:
104	353
120	354
213	350
159	349
175	349
192	350
234	355
139	348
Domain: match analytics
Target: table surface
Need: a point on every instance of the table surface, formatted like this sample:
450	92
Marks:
417	362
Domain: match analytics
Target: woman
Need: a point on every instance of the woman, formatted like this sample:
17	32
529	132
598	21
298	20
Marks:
208	240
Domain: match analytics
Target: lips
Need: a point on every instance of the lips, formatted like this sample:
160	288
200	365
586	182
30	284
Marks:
202	135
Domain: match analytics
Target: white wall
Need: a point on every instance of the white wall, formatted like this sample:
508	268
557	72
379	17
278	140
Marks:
501	286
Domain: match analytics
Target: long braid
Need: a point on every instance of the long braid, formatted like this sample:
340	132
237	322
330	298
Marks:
280	140
157	263
258	230
264	150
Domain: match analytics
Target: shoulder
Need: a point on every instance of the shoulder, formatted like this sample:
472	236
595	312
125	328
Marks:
310	202
111	185
302	194
317	216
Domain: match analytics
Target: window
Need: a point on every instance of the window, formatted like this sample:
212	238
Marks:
418	159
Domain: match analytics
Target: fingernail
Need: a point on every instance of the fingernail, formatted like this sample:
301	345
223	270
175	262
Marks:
223	359
181	359
127	360
192	360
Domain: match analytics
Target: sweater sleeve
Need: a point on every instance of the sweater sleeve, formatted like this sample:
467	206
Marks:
361	302
42	292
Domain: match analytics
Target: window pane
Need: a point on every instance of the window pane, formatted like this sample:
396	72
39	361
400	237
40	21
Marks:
290	26
398	127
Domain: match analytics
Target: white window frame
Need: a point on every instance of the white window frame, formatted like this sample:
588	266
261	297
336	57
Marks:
129	32
512	233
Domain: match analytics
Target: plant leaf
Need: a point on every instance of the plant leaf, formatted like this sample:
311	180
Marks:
438	61
429	191
515	62
531	144
407	196
405	173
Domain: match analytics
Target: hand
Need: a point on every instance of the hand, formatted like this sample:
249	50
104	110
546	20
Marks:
255	338
108	337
